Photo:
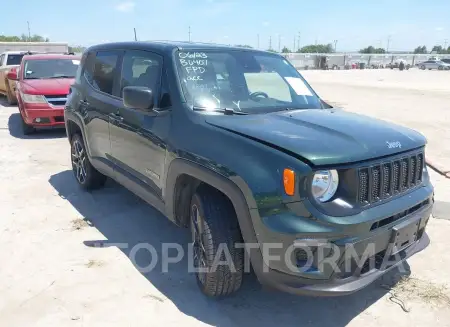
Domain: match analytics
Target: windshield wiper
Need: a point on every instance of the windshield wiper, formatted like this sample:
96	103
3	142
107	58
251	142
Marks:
226	111
61	76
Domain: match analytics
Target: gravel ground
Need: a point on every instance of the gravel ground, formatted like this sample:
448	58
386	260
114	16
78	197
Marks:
54	275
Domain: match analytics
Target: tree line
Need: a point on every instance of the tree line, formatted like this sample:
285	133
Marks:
310	48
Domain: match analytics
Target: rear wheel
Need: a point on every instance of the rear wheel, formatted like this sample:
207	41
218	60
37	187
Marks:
86	175
422	67
215	233
9	95
440	68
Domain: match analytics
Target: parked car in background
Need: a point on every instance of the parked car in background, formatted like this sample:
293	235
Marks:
235	144
434	64
397	63
446	60
43	82
8	61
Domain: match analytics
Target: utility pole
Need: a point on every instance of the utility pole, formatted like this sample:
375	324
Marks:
316	41
189	33
270	42
29	33
279	43
293	49
445	44
335	45
135	37
258	41
299	37
388	43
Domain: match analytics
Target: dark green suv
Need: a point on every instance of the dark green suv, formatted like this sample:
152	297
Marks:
234	144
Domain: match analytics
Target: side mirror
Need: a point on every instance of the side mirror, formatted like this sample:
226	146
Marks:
12	75
138	97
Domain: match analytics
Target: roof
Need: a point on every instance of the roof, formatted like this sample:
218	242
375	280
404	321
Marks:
49	56
167	46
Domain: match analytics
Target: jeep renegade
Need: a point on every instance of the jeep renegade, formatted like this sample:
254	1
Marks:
234	144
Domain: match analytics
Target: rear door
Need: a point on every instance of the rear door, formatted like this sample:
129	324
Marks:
98	102
138	138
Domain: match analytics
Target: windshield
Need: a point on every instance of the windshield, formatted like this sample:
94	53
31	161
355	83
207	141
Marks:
50	68
247	81
14	59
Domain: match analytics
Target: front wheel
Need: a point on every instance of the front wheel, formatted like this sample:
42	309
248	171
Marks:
26	129
86	175
422	67
219	263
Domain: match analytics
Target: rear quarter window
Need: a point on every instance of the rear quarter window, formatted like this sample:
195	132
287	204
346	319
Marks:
14	59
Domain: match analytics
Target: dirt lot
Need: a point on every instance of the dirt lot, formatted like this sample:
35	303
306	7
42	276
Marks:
52	274
414	98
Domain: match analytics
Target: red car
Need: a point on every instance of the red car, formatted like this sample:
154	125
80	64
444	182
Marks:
43	83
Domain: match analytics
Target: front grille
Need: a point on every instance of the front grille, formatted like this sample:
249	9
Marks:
56	100
386	179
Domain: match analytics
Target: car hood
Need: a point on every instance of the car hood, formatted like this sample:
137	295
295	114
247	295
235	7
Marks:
54	86
323	137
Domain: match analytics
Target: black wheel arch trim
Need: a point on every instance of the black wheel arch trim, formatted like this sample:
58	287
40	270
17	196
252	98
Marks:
72	117
233	189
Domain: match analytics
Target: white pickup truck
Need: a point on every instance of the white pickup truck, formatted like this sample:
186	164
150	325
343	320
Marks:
8	60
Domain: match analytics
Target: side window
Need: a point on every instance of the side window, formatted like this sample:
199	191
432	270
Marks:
103	68
141	68
1	60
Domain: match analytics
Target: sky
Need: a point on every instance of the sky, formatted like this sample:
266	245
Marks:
353	23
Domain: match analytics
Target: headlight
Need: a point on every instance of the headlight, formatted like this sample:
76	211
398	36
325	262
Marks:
31	98
324	184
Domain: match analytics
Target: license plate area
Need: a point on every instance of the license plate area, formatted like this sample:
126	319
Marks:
404	234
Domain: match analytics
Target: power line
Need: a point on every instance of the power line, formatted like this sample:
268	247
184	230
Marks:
388	43
29	33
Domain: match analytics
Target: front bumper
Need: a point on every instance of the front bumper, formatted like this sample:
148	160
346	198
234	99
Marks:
375	229
336	286
43	115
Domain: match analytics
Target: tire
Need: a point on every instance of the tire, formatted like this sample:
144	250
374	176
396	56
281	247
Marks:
26	129
9	96
85	174
214	222
422	67
440	68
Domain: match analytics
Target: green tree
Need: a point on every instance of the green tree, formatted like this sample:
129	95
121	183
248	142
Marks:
285	50
23	38
438	49
420	49
244	46
317	48
371	49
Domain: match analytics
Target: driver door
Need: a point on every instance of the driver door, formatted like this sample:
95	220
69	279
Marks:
138	138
